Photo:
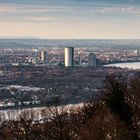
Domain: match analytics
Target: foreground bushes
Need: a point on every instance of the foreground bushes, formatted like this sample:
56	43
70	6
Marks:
114	115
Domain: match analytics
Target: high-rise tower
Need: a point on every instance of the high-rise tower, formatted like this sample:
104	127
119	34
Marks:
92	60
69	56
43	56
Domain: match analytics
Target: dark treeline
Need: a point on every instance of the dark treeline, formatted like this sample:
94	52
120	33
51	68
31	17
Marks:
113	115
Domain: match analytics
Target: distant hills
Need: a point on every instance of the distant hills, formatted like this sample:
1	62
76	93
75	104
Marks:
99	43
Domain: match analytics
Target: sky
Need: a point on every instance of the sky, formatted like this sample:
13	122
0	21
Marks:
70	19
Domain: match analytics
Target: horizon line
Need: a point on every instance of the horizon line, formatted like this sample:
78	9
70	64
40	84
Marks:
35	37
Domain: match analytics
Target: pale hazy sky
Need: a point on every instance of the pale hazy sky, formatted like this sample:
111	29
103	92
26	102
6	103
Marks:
86	19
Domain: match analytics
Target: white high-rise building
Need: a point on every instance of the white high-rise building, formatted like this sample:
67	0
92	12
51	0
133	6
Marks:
92	60
43	56
69	56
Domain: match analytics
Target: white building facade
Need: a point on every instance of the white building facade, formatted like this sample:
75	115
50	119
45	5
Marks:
69	57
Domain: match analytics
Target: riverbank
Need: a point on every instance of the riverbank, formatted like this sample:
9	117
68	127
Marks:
131	65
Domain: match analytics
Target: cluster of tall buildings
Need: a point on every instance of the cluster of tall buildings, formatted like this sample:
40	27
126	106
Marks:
69	58
41	58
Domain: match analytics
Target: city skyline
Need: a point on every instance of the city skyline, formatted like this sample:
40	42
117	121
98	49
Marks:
70	19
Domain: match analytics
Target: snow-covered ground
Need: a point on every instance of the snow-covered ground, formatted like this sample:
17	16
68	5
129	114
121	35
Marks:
133	65
21	88
14	114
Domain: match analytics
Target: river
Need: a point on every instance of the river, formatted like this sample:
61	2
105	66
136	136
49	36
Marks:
132	65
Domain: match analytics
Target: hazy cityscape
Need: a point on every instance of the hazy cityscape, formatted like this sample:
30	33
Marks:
69	70
34	75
